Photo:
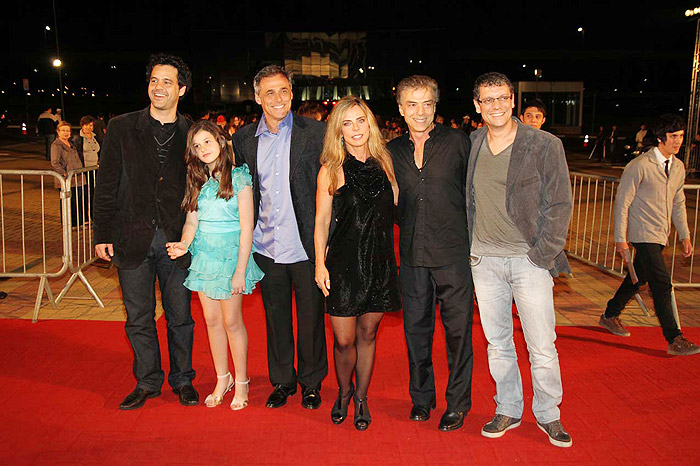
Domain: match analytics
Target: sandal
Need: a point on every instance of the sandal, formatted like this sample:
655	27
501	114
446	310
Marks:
340	412
212	401
237	404
362	416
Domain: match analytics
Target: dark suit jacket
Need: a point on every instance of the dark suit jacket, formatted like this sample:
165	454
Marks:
538	194
133	190
304	164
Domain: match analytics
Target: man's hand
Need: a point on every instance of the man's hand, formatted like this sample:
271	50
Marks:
623	250
687	247
105	251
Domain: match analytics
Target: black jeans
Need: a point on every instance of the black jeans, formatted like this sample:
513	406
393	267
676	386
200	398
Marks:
138	292
276	290
651	268
48	140
453	286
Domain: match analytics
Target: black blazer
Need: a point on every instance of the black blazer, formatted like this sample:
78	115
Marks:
133	190
305	162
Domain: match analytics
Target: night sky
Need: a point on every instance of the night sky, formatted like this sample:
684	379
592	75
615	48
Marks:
657	40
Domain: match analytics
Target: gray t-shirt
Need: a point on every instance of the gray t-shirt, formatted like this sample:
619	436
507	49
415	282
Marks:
495	234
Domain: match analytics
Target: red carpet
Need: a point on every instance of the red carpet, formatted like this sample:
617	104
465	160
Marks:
625	402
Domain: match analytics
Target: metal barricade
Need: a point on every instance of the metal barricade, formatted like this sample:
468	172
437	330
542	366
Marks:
32	228
81	253
591	231
36	237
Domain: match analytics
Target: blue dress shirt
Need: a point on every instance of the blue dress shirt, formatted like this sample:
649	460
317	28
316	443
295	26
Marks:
276	234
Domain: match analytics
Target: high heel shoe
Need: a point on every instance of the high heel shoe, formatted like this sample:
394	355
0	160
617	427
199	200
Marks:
340	412
240	404
362	416
212	401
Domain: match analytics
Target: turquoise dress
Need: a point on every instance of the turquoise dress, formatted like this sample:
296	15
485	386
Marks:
215	245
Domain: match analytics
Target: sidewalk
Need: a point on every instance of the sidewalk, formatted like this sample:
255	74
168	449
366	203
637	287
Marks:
579	300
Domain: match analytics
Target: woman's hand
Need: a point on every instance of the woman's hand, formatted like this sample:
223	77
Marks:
323	279
237	283
176	249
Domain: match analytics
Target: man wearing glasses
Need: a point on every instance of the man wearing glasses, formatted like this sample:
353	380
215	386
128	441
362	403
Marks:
518	206
430	163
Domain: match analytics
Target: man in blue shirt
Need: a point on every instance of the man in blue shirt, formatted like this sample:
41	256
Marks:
283	153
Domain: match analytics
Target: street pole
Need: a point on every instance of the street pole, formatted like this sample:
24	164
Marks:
694	106
58	55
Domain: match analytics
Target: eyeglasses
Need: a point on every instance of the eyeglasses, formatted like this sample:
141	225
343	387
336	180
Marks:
491	100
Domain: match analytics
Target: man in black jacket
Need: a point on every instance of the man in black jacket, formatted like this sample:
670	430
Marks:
46	128
140	186
283	153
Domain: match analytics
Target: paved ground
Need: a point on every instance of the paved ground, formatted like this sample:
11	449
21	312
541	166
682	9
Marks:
579	300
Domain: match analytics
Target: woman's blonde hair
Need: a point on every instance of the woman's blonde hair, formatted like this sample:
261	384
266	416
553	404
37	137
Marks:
333	154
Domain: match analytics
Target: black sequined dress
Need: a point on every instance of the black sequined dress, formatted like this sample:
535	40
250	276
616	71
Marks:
360	260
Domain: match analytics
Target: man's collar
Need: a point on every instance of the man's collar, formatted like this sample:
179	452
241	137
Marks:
262	125
157	124
660	158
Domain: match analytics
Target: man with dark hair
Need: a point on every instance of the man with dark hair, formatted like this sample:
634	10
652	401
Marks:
46	128
140	186
650	196
283	153
312	110
100	127
534	113
430	163
519	205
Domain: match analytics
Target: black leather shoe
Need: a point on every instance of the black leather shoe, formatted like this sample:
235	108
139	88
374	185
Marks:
137	398
187	394
279	395
451	420
421	413
310	398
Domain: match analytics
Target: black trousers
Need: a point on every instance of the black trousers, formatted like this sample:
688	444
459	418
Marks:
48	140
276	289
452	285
651	268
138	292
77	210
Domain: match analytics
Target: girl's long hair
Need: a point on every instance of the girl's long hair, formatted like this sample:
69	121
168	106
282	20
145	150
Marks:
333	154
198	172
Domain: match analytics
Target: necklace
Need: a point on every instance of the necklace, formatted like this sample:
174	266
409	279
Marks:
161	144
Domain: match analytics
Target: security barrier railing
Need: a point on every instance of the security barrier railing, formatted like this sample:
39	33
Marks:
591	231
81	253
36	235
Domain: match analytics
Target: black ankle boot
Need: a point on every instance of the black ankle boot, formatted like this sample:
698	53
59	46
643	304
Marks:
340	412
362	416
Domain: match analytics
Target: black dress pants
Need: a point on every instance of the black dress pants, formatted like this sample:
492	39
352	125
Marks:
276	289
138	292
452	285
651	268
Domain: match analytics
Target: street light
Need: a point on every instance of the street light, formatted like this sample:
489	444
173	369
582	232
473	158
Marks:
538	76
57	63
583	35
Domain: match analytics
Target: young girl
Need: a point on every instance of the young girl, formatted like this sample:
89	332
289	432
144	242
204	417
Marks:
218	232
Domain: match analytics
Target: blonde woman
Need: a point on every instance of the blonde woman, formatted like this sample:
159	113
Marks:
356	186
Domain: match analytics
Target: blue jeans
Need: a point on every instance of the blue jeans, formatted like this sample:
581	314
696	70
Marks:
497	280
